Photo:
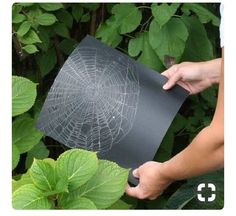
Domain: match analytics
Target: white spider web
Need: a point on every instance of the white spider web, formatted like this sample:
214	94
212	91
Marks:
93	100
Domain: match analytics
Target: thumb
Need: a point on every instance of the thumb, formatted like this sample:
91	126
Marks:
136	173
172	81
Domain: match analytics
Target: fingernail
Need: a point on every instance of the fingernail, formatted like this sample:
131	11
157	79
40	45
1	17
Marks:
135	172
165	86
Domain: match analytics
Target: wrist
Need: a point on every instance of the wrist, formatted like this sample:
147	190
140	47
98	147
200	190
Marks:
166	173
211	70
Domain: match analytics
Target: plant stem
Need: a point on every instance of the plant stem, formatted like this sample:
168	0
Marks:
129	36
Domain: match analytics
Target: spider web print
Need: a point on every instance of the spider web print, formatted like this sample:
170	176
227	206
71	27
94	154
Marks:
93	100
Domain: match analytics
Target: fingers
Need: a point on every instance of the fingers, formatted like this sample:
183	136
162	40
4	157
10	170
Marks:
173	75
135	173
172	81
133	191
169	72
139	193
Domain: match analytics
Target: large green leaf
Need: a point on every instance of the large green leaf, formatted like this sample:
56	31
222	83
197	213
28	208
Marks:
24	28
78	166
168	39
25	179
78	203
109	34
46	19
62	30
68	45
65	17
106	186
162	13
23	95
77	11
30	37
127	17
148	56
24	134
17	18
198	47
15	156
39	152
43	175
202	12
51	6
47	61
186	195
30	48
120	204
29	197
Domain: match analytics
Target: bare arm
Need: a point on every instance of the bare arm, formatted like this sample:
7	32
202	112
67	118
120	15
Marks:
205	153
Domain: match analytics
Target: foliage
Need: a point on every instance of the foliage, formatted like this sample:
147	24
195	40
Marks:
44	34
76	180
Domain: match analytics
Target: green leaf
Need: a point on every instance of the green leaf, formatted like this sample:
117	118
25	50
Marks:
68	45
178	123
127	17
65	17
51	6
39	151
210	96
148	56
18	18
46	19
135	45
185	196
77	11
15	156
29	197
109	34
203	13
43	175
106	186
85	17
120	204
26	4
78	166
24	134
24	28
162	13
62	30
30	48
23	95
24	179
79	203
195	49
90	6
181	197
168	39
47	61
165	150
44	37
30	38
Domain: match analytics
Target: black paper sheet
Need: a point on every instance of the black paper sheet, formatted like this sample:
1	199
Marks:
103	100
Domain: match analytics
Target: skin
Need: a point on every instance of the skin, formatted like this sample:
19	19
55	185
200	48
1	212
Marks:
206	152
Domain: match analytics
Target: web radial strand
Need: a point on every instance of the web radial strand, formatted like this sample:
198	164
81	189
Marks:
93	101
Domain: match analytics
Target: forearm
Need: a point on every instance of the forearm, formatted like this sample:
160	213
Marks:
204	154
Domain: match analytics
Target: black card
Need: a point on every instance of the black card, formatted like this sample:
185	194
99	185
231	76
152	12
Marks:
103	100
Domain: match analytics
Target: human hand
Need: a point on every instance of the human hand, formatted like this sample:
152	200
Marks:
193	76
152	182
